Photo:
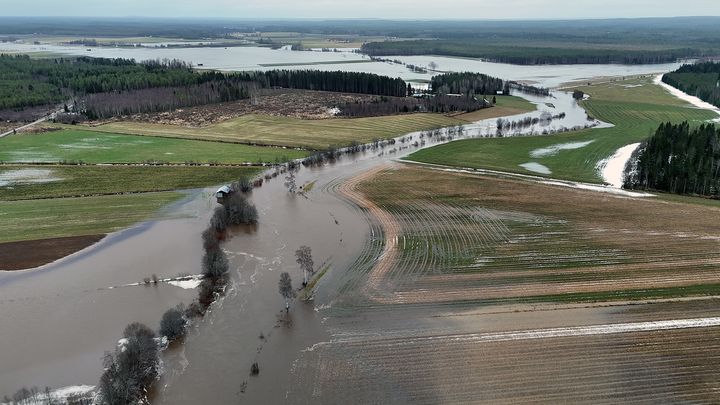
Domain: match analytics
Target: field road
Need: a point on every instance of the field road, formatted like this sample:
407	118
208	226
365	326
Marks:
43	119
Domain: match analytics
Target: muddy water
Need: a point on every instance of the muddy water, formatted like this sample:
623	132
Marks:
65	315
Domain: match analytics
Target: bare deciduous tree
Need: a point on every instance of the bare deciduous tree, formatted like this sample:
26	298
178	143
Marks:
285	289
304	259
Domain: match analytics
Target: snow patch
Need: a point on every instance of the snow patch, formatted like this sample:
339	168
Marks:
612	169
593	187
554	149
27	176
536	168
334	111
188	283
686	97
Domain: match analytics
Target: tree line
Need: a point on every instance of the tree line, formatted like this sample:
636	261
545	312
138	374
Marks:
337	81
521	55
470	83
678	159
701	80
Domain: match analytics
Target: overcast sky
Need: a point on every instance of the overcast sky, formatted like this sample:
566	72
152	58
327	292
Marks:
419	9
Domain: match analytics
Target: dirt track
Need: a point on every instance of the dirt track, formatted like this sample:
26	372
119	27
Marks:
391	228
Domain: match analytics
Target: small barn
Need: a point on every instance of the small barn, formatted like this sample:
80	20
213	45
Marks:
222	193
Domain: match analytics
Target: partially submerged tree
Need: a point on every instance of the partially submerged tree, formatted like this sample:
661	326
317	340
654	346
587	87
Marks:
304	259
285	289
290	181
214	264
173	323
238	211
131	369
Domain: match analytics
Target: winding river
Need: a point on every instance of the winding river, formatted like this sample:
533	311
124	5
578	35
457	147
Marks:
65	315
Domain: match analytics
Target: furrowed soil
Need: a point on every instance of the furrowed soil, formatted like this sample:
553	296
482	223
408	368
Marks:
492	290
34	253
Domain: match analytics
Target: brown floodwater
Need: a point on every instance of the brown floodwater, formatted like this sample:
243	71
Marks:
58	320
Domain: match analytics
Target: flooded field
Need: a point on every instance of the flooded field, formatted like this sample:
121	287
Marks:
421	267
497	291
257	58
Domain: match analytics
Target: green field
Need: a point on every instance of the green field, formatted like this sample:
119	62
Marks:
636	113
40	219
504	106
74	181
101	147
292	132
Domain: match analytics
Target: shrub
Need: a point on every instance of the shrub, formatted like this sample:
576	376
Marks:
219	220
131	369
239	211
214	264
173	323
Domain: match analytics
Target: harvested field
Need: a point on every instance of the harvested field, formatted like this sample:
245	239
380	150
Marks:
466	239
642	367
490	290
303	104
34	253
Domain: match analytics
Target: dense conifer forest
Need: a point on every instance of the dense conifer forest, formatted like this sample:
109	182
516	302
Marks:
106	87
679	159
701	80
522	55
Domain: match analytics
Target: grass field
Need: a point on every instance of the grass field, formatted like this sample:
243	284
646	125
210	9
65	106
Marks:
292	132
102	147
636	107
58	217
75	181
505	105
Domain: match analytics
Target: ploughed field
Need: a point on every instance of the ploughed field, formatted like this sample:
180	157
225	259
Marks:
635	106
485	289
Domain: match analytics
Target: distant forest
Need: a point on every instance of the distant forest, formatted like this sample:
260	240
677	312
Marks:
521	55
100	88
470	84
701	80
346	82
679	159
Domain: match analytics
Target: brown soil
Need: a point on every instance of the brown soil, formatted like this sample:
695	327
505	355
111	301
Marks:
33	253
302	104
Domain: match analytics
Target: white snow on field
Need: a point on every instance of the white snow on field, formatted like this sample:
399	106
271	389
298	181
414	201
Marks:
187	284
686	97
59	395
27	176
591	330
554	149
536	168
612	169
594	187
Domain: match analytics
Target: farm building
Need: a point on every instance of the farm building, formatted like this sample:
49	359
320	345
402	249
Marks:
222	193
